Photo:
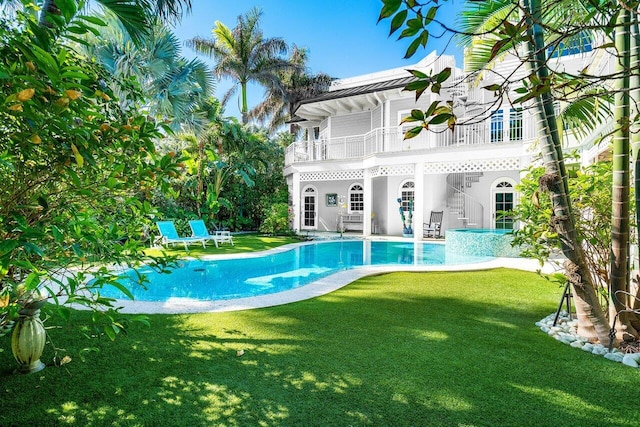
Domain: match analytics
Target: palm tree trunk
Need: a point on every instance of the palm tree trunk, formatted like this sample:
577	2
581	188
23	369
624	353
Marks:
619	284
591	318
245	107
635	137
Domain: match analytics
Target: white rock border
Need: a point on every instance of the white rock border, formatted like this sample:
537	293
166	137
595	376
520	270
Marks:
566	331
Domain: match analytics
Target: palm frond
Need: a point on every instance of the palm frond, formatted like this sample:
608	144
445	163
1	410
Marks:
201	45
133	15
586	113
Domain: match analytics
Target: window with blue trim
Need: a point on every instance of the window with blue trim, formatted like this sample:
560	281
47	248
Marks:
515	124
497	126
574	47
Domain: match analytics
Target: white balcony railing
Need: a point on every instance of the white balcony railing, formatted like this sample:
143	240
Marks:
386	140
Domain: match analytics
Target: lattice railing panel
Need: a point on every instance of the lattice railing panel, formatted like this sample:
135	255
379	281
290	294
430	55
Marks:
502	164
374	172
395	170
348	175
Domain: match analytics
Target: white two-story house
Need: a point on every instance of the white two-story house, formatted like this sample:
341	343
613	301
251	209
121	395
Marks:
354	164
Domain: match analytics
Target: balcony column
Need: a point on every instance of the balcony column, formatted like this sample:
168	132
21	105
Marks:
310	146
368	204
295	202
386	134
418	202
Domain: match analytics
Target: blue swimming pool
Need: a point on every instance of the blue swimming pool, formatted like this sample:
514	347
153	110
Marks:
299	266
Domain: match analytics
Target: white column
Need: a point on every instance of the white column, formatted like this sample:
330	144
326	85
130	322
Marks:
295	200
366	252
387	114
418	201
311	145
368	204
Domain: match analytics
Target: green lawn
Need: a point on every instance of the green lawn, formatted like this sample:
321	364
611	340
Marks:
401	349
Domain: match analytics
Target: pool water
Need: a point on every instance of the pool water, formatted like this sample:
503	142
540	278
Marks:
299	266
482	242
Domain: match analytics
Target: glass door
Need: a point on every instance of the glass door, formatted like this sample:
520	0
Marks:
503	202
309	209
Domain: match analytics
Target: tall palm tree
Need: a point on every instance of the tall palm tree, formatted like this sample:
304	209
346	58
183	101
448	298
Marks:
620	227
243	54
481	24
591	317
297	84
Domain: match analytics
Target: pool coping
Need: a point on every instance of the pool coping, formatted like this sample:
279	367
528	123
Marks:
314	289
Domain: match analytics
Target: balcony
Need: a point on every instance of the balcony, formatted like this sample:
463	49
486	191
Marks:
391	140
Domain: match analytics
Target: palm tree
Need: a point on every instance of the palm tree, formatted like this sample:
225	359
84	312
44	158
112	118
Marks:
620	228
297	84
176	88
244	55
591	317
490	30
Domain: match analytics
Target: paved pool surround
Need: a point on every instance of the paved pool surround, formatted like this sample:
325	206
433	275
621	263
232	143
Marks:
480	242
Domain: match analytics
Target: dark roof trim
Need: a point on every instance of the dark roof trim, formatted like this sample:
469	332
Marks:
360	90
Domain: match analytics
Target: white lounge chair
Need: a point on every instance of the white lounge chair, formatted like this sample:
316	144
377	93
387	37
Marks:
169	235
224	235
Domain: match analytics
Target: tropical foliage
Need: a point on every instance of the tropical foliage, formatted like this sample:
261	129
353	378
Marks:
92	104
277	219
590	194
78	169
136	17
233	173
175	88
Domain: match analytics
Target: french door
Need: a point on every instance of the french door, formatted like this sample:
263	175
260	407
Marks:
309	209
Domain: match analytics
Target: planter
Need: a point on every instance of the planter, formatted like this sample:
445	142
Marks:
28	339
407	234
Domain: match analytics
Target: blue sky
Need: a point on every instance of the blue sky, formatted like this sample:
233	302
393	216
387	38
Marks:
342	36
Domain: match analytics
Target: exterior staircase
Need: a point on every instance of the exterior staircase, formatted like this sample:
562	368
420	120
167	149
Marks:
466	208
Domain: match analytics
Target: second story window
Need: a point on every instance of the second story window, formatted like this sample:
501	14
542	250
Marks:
497	126
356	198
580	43
515	124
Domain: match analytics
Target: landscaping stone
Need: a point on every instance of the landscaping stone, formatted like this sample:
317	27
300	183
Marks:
616	357
629	361
566	331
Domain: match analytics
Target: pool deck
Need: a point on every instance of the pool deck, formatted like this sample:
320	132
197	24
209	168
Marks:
314	289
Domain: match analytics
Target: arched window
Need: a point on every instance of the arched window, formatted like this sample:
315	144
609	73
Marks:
407	193
503	201
356	198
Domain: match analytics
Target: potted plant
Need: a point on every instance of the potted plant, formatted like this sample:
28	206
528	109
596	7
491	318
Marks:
407	230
